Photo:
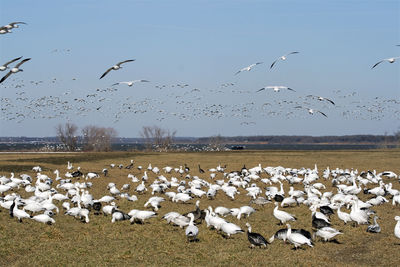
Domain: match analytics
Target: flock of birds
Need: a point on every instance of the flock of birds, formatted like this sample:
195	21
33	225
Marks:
191	104
45	196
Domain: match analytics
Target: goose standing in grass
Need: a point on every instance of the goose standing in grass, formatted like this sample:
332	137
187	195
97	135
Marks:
43	218
20	214
222	211
297	239
374	228
255	239
282	234
282	216
191	230
118	215
345	217
327	233
141	215
397	227
230	229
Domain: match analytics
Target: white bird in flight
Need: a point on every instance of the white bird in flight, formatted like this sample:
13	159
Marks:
116	67
248	68
13	25
5	65
312	111
276	88
320	98
284	57
130	83
390	60
15	69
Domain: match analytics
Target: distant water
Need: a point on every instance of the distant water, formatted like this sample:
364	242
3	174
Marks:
202	147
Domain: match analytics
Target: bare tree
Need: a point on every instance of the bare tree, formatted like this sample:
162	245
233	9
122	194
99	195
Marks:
160	139
98	138
67	135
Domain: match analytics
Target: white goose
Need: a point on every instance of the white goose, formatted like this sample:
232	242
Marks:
397	227
327	233
283	216
141	215
231	229
191	230
297	239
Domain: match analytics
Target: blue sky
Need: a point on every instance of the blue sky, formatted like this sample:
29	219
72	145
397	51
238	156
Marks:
202	44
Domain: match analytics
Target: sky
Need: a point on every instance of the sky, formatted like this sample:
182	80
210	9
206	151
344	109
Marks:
202	44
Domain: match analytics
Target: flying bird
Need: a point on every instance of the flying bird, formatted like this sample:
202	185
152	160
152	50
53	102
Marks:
13	25
284	57
320	98
116	67
390	60
248	68
4	66
15	69
312	111
276	88
130	83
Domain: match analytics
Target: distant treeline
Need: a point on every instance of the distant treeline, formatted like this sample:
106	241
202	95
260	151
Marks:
269	139
304	139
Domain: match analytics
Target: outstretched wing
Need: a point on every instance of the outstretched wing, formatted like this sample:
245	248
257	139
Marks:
105	73
290	89
322	113
333	103
5	77
295	52
259	90
273	63
376	64
22	62
11	61
122	62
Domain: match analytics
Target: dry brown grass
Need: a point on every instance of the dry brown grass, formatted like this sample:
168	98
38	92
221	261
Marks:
69	242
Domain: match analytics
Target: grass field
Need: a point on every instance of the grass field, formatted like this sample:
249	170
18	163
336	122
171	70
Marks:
70	242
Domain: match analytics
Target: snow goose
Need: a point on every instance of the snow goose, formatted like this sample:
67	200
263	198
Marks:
141	215
255	239
390	60
118	215
374	228
116	67
282	234
230	229
282	216
154	202
345	217
284	57
15	69
191	230
245	210
108	209
222	211
327	233
397	227
297	239
5	65
20	214
43	218
248	68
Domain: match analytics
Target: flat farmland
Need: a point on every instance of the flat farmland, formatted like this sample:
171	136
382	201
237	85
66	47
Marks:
100	242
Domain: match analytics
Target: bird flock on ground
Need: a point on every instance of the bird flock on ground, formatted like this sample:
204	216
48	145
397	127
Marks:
48	198
191	103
